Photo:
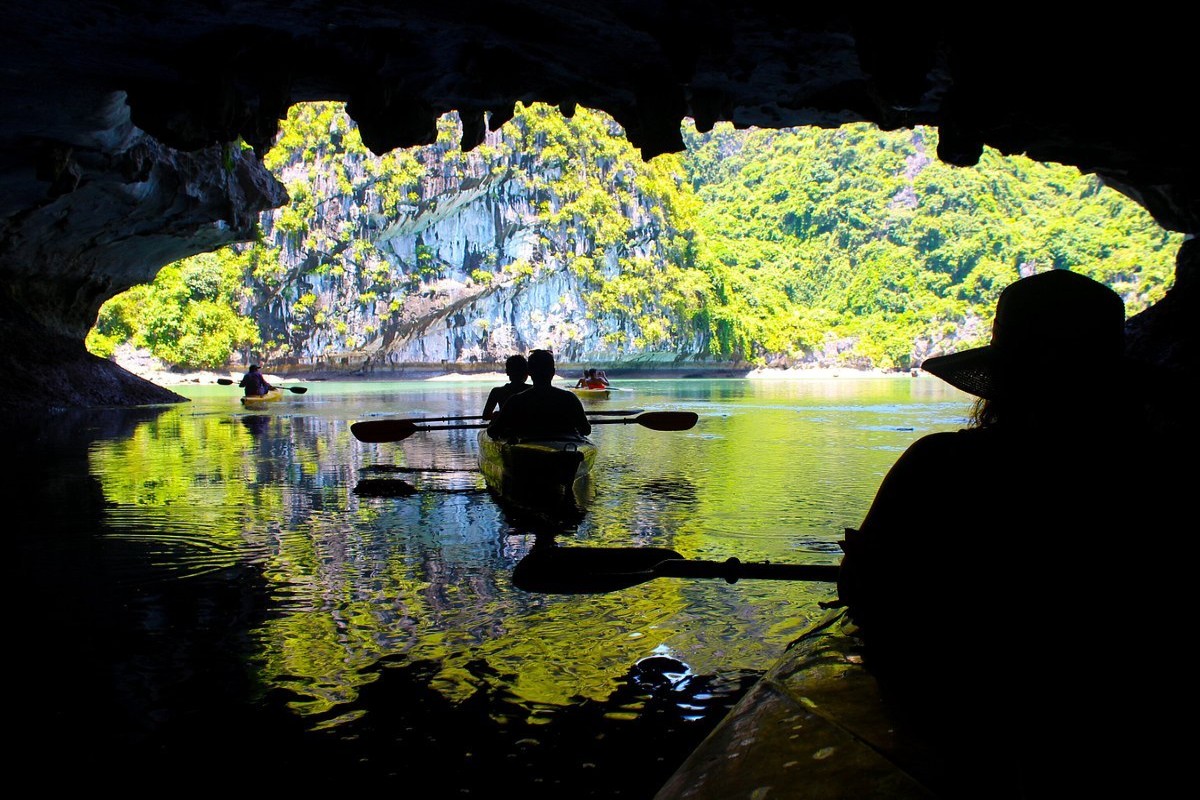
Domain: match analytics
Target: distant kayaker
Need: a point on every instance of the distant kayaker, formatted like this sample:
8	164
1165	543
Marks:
543	411
592	379
1008	659
254	384
517	369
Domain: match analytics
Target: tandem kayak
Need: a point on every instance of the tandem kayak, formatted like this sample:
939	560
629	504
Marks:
258	401
538	474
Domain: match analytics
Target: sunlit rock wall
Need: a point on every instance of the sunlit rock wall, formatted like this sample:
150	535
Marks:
503	283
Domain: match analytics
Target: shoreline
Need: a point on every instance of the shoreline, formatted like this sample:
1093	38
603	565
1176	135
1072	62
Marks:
148	368
167	378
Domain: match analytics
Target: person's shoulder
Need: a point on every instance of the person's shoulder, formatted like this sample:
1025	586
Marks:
943	445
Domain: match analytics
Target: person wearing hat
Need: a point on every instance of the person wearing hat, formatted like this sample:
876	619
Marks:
517	369
991	571
254	384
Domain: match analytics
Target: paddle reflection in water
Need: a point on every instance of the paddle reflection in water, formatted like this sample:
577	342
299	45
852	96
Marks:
212	598
587	570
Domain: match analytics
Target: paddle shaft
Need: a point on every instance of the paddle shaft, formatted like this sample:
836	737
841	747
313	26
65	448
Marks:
733	570
378	431
423	420
293	389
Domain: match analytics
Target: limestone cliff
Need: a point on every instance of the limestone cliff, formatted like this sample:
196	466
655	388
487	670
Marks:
471	257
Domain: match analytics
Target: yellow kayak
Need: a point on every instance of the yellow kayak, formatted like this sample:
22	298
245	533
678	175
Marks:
273	396
593	394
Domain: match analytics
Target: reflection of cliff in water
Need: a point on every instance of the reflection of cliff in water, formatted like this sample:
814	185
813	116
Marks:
674	490
236	603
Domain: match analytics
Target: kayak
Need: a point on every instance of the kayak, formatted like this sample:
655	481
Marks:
822	725
816	726
273	396
593	394
538	474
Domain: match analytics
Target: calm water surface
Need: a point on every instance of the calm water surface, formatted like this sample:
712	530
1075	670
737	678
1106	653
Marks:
215	597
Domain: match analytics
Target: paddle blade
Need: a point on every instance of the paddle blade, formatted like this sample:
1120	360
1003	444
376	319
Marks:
225	381
667	420
587	570
383	430
296	389
384	487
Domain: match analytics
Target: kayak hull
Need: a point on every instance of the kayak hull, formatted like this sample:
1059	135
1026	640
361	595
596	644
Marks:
591	394
540	475
820	728
273	396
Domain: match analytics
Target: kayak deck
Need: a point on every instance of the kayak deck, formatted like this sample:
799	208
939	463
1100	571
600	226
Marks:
814	727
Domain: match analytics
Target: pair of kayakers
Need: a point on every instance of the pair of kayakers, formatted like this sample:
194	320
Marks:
540	410
592	379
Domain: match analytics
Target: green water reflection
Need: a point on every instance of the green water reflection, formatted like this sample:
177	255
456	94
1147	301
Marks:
774	470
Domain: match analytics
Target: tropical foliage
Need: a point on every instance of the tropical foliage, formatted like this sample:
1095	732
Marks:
847	246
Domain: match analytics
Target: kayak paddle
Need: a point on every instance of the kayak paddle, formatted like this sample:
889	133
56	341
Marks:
293	389
385	424
395	430
594	570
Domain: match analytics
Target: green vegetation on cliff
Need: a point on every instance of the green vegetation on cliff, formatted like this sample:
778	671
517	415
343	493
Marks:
846	246
863	245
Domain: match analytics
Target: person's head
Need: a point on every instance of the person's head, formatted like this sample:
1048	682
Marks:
541	366
591	373
254	367
1057	337
517	368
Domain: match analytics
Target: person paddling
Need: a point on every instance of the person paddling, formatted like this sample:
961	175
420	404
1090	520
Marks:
1061	462
254	384
544	410
517	369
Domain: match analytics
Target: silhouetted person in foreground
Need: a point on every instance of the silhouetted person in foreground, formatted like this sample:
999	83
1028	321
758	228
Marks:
517	369
1012	580
543	411
254	384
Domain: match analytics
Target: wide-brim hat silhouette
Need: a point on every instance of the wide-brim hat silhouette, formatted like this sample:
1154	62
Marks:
1052	323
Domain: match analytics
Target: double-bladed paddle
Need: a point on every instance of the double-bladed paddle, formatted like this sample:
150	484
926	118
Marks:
594	570
422	420
395	430
293	389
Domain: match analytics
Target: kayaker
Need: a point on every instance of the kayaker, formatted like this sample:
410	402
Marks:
1009	663
592	379
542	411
254	384
517	369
